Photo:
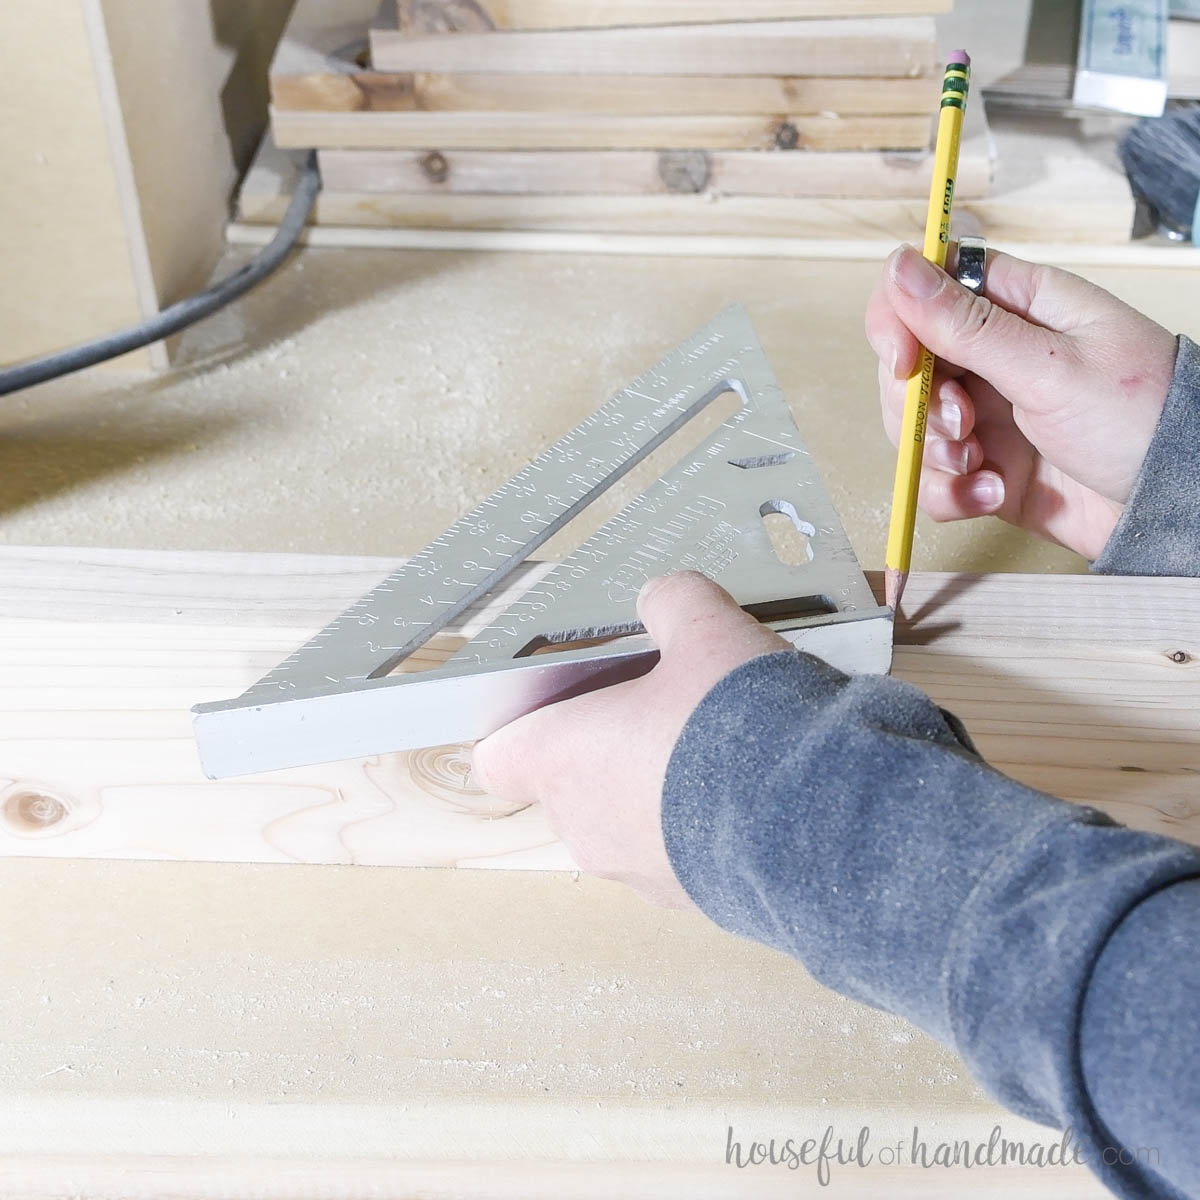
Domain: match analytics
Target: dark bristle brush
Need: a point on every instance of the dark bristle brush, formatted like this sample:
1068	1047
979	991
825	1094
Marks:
1162	159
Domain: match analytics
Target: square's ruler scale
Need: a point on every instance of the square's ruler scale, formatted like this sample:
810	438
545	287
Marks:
336	698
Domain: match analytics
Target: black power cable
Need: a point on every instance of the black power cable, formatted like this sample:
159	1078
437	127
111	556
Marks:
183	313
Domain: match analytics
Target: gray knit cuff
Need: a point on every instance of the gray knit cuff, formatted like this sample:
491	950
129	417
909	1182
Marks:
1159	531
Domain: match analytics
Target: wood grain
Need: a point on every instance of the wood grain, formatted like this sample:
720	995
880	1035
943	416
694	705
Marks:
648	172
1088	687
1052	185
593	131
881	47
321	62
662	216
667	95
341	87
320	66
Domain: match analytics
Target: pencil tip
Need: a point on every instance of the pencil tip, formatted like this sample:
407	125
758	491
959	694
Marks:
893	588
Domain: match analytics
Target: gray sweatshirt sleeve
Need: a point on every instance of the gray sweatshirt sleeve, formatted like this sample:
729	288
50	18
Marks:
850	823
1159	531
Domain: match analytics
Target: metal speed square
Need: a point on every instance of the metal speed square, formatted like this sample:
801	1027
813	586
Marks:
336	697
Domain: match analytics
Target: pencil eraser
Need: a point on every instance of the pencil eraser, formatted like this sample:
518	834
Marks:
959	58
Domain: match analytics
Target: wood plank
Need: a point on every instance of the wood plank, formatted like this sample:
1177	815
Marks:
1087	685
667	95
550	131
663	216
320	62
442	15
1052	185
880	47
744	247
593	131
336	89
365	219
647	172
318	67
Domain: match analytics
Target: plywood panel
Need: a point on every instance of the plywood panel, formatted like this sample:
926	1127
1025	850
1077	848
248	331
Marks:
62	234
190	104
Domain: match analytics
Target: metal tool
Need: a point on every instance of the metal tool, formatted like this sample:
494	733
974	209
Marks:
335	698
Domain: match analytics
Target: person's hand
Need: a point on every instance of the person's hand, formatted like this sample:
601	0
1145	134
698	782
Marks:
597	763
1045	398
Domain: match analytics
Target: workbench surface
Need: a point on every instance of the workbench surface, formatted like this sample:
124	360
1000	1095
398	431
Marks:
389	1031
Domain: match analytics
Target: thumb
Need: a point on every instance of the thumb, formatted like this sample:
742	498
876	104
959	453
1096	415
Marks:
687	613
971	331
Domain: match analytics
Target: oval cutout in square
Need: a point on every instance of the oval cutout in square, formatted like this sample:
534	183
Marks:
789	533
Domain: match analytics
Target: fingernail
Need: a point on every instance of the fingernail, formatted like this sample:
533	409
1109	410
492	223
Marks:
889	354
916	275
987	490
949	456
951	420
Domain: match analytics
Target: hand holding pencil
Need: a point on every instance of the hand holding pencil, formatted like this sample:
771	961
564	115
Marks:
920	386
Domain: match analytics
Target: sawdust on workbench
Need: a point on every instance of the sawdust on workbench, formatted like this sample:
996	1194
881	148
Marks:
361	400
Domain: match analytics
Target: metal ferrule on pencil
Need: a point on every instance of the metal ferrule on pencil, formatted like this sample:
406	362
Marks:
955	85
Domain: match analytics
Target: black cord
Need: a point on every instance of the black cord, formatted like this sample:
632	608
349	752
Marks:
183	313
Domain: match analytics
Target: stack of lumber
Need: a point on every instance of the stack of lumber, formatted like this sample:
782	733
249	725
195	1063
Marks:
807	118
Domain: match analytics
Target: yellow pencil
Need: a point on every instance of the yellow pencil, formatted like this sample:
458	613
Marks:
920	385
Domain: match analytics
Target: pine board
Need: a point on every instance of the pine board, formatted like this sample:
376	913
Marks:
364	218
318	67
593	131
320	62
335	90
1051	185
1070	683
648	172
880	47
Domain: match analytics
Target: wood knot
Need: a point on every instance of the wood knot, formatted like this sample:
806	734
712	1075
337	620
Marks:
1179	656
684	171
436	167
787	136
444	772
30	811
